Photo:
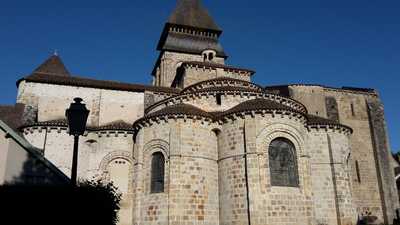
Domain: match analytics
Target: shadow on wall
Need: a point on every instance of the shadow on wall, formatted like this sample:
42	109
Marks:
367	218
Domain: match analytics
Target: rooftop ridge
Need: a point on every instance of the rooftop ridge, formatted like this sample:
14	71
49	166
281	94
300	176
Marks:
94	83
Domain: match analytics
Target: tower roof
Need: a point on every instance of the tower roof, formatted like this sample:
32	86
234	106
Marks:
192	13
53	66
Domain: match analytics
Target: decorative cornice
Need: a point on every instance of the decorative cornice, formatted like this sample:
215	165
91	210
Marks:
218	66
62	123
242	92
250	107
222	82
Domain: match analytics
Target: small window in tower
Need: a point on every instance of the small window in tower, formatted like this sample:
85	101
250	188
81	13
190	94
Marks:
358	172
210	56
219	99
205	57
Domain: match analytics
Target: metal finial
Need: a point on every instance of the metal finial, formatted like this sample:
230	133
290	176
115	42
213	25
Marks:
55	52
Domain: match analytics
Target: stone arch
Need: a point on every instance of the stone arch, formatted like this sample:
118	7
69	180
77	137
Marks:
112	157
273	131
153	147
156	145
264	139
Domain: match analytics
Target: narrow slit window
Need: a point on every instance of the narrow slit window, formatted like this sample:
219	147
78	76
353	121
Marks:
219	99
358	172
352	109
157	173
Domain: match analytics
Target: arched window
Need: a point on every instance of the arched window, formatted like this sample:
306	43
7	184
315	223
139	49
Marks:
119	174
157	173
283	163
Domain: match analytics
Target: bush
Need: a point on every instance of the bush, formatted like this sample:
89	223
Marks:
89	203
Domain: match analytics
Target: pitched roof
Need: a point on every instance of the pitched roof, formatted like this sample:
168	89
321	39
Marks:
115	125
317	120
93	83
53	66
193	14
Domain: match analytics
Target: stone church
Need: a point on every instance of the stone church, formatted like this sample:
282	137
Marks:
205	145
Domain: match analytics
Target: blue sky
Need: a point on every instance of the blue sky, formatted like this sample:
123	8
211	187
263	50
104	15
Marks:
335	43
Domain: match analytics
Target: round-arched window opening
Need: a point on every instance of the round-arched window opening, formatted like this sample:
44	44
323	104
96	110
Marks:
208	55
283	163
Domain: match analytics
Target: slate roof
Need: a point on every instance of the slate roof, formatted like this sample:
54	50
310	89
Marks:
192	13
193	17
93	83
48	123
53	66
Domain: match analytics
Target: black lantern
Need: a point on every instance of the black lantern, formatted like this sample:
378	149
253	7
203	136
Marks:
77	115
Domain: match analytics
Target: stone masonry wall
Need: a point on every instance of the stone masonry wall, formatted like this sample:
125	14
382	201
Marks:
339	147
105	105
191	182
266	204
170	61
325	205
383	158
330	172
353	112
195	74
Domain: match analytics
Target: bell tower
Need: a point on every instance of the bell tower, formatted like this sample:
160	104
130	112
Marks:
190	34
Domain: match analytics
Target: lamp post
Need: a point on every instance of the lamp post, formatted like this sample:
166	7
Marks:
77	115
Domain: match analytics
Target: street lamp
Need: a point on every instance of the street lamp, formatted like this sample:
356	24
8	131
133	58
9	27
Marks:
77	115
